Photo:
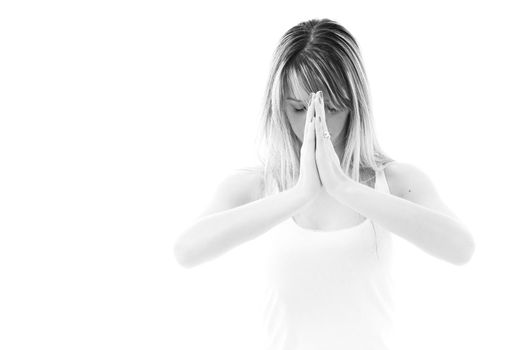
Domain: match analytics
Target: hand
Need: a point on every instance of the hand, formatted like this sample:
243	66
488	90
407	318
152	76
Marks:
308	179
328	163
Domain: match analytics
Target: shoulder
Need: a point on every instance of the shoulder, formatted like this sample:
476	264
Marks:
411	183
403	178
234	189
246	181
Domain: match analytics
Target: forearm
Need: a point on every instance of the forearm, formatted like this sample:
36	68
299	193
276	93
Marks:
434	232
217	233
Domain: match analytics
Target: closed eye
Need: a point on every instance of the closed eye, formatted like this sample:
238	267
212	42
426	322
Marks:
303	109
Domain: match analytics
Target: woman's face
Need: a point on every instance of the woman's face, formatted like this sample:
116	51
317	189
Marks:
336	120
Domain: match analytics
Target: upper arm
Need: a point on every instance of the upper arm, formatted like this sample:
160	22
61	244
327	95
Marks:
234	190
409	182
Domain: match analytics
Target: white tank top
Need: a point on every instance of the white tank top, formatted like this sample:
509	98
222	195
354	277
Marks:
328	290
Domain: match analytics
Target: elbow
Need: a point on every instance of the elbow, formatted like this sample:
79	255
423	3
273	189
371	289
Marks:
183	255
464	252
192	249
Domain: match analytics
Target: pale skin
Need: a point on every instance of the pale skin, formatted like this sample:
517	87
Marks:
417	214
325	197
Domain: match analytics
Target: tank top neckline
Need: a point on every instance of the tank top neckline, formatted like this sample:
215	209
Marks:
354	227
292	220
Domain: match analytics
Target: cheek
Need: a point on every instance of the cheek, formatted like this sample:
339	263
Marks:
337	122
297	123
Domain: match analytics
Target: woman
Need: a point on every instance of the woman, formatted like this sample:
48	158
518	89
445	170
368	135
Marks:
326	200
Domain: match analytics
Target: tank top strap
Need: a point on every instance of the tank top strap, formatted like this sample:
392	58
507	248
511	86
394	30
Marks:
382	236
380	181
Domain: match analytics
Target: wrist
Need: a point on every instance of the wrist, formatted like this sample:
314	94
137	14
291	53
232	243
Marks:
344	186
302	193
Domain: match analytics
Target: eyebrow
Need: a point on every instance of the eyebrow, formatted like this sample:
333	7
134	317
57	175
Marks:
294	99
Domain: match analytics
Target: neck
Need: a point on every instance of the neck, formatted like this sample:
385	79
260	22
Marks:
339	149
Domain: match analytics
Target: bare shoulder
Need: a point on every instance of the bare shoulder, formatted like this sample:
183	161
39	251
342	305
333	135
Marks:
411	183
251	179
404	177
237	188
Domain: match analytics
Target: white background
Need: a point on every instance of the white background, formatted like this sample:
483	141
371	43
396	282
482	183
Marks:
119	119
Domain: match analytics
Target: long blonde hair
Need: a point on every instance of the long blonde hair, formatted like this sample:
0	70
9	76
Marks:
319	54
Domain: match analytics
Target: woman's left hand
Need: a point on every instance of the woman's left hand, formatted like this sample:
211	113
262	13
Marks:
328	163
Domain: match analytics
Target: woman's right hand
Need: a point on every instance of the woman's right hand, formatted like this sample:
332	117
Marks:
309	181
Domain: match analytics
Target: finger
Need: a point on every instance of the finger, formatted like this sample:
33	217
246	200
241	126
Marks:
309	114
311	107
308	129
321	114
311	132
318	125
324	144
306	124
322	111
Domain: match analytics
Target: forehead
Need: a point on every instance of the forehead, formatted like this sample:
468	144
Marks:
296	91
